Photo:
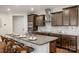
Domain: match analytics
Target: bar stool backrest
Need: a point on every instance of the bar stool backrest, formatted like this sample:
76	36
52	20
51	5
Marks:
0	39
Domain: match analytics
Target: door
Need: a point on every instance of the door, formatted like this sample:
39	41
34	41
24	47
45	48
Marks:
40	20
52	46
66	17
54	19
59	19
18	24
69	42
73	16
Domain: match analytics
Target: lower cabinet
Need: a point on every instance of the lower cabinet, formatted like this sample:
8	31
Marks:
59	41
67	42
52	46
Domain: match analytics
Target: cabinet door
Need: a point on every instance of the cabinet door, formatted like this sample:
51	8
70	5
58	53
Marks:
52	46
65	41
59	18
59	42
31	23
54	19
66	17
40	20
73	43
69	42
73	16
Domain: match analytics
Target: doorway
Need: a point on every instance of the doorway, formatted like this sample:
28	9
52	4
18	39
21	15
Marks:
18	24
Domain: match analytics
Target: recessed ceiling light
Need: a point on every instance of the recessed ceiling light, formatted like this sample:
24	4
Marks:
32	9
8	9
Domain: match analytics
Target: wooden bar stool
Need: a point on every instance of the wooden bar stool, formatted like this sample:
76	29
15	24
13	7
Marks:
12	46
29	49
21	50
0	38
2	47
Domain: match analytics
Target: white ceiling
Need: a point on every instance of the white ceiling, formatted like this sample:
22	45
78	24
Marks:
27	8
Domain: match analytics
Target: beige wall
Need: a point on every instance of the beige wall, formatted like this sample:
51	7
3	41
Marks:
7	19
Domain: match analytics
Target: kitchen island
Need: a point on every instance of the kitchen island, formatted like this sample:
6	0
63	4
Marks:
41	45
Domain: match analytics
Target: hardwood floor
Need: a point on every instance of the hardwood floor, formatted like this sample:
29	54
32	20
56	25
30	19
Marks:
59	50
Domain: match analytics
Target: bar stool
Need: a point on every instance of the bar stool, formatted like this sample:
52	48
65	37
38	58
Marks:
29	49
12	46
0	39
2	47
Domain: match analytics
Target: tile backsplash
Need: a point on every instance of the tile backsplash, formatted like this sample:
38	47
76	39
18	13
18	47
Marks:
74	30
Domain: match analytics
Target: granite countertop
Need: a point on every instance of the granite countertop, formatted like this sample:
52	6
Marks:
41	39
67	34
75	34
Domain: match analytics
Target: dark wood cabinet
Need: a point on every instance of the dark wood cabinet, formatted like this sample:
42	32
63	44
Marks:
69	42
57	19
73	16
54	19
40	20
52	46
31	23
66	17
65	41
70	16
73	43
59	41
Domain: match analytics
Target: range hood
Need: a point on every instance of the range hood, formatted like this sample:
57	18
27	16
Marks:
48	15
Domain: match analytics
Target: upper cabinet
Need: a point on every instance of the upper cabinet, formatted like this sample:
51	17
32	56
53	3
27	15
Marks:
73	16
66	17
57	19
40	20
70	16
31	23
53	19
